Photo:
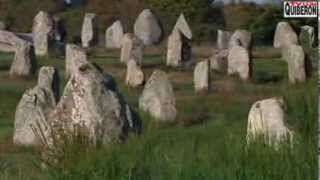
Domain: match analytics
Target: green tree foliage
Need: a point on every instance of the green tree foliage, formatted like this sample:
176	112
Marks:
19	13
191	8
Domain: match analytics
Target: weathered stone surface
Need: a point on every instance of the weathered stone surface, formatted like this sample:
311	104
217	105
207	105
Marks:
219	61
202	77
88	32
42	30
239	62
49	78
296	64
158	98
241	38
267	119
24	63
135	76
35	105
284	35
91	101
132	48
307	36
223	39
179	50
183	26
75	57
114	35
147	28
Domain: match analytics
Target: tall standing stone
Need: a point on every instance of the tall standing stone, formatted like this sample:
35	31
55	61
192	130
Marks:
179	51
75	57
296	64
132	48
183	26
42	30
135	76
158	98
92	102
114	35
241	38
223	39
202	77
307	36
267	120
239	62
147	28
34	107
284	35
88	32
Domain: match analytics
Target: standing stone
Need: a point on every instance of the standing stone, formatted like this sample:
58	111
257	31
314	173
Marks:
88	32
296	64
202	77
49	78
114	35
42	30
34	107
179	50
219	61
135	76
284	35
24	63
132	48
183	26
147	28
223	39
267	119
158	98
241	38
239	62
307	36
75	57
90	102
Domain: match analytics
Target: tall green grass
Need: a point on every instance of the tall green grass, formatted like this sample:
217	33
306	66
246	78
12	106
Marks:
207	142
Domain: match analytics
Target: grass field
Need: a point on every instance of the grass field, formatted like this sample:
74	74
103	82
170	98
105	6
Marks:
207	142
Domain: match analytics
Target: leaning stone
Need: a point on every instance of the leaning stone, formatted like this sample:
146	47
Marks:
183	26
88	32
114	35
42	30
307	36
239	62
223	39
132	48
241	38
296	64
267	120
24	63
92	102
284	35
75	57
202	77
147	28
158	98
135	76
179	50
